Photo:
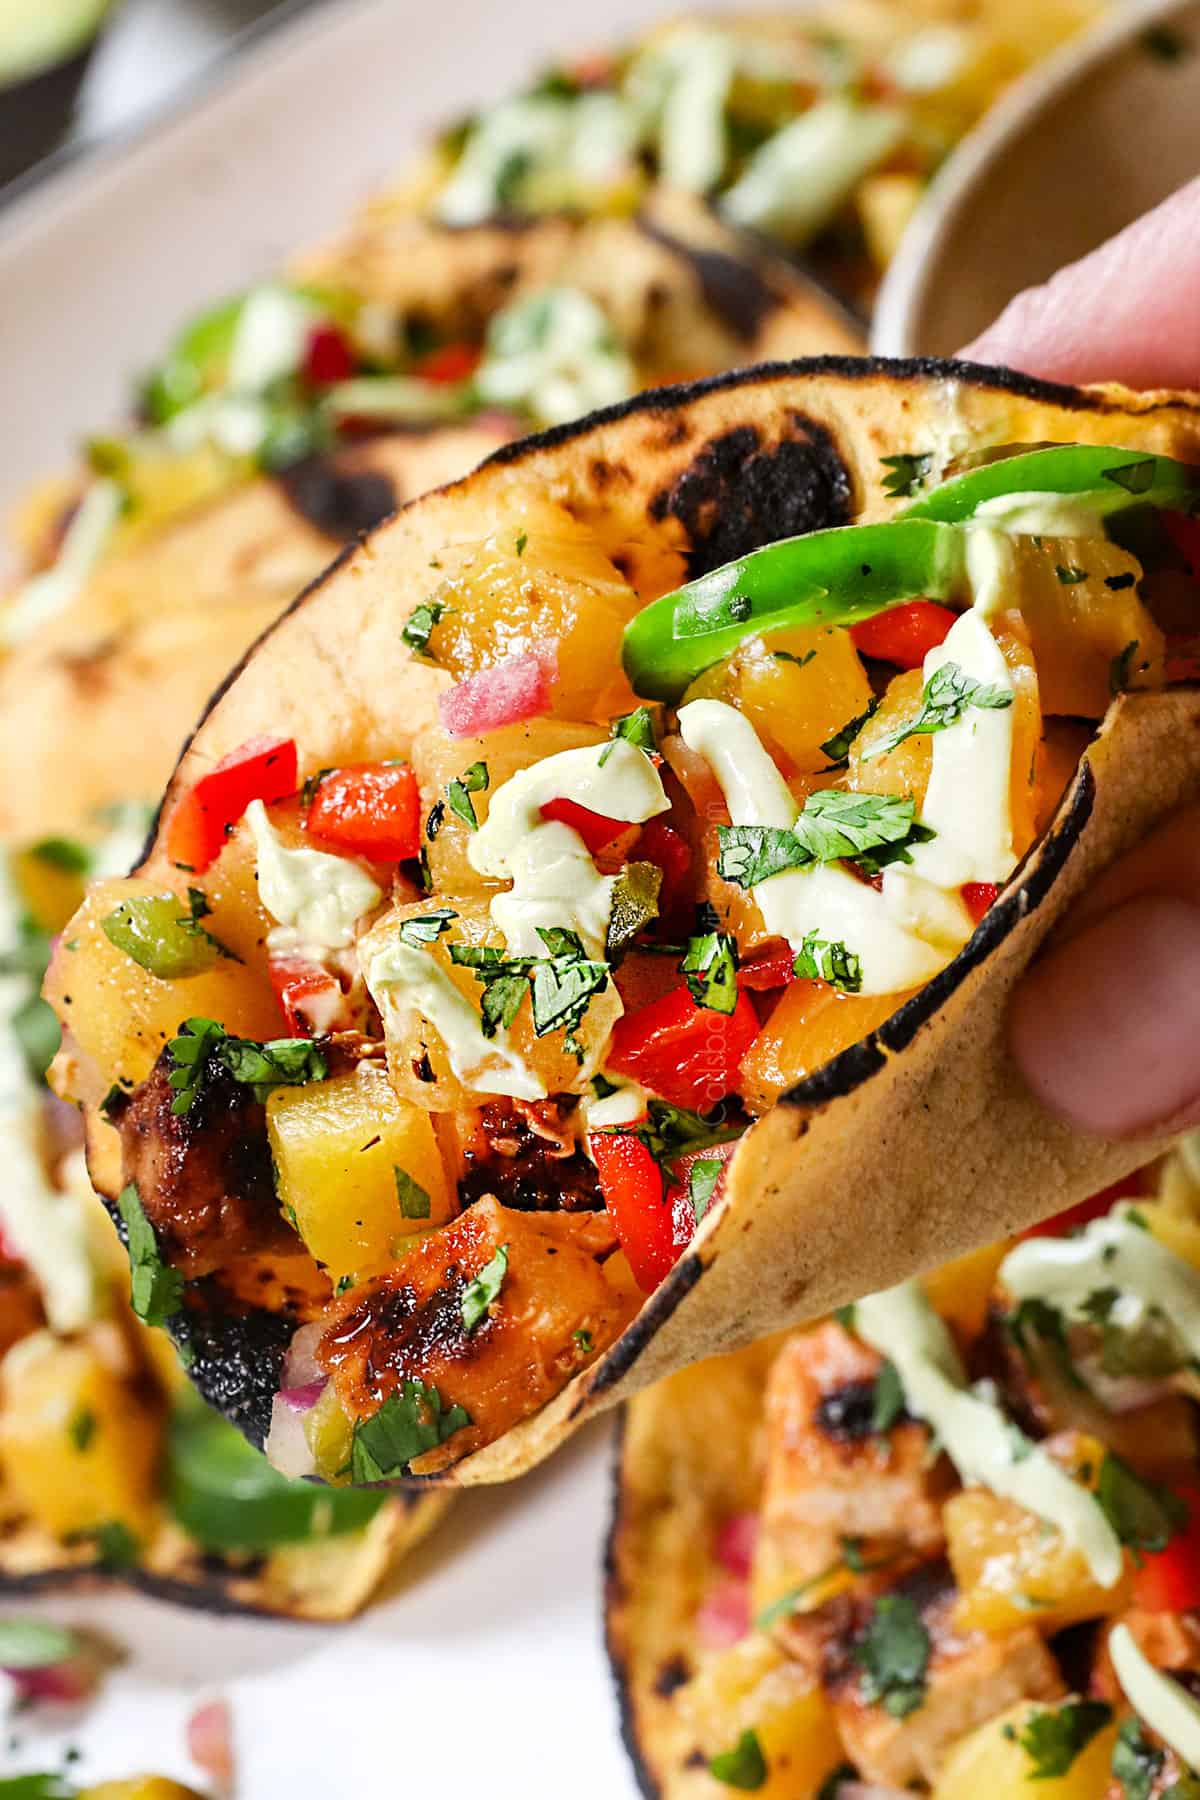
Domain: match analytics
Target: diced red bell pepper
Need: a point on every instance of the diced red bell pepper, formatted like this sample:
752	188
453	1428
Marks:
1184	533
1084	1211
653	1221
309	996
328	356
978	897
1169	1579
263	768
904	635
769	969
593	827
369	809
668	849
686	1053
449	363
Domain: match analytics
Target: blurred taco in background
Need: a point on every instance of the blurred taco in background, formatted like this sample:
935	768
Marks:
642	854
946	1543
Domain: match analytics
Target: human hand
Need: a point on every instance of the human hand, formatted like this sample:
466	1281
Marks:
1106	1025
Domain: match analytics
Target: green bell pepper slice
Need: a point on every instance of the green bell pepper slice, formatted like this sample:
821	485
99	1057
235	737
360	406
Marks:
227	1496
841	576
826	578
1101	479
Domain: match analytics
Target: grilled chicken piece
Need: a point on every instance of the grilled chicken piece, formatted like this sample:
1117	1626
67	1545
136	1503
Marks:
526	1155
204	1176
1169	1640
828	1474
968	1679
556	1306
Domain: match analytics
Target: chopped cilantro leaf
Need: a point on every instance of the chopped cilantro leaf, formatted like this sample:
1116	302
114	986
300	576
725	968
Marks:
81	1430
1136	1763
703	1178
945	697
636	728
414	1201
744	1766
822	959
1069	575
1120	670
63	853
1054	1736
420	624
156	1289
837	748
410	1422
479	1293
281	1062
1144	1514
522	540
308	791
887	1399
458	794
786	656
670	1131
563	985
906	473
893	1654
710	965
426	928
833	825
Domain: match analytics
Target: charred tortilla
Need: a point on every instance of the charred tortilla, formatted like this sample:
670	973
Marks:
857	1175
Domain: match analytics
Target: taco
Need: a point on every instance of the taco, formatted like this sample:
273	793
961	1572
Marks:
600	905
946	1543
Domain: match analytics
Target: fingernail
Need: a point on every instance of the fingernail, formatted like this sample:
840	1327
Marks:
1106	1030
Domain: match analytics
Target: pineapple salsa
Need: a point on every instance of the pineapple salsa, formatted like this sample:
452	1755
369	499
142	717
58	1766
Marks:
452	1048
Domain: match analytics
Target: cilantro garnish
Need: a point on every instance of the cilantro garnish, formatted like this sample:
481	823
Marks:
824	959
893	1654
703	1178
281	1062
1069	575
308	791
1145	1514
1120	670
426	928
834	824
414	1201
1136	1764
156	1289
837	748
479	1293
522	541
710	965
637	728
505	983
435	821
561	983
1134	477
116	1546
410	1422
420	623
852	1558
668	1132
787	656
198	908
63	853
1052	1738
744	1766
458	794
887	1399
37	1787
81	1430
906	473
944	699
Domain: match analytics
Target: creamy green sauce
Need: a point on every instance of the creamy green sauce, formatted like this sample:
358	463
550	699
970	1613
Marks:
984	1446
795	183
554	355
44	596
319	897
403	980
1159	1702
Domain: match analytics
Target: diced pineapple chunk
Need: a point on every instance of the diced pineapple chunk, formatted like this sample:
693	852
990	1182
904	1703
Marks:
1081	627
1011	1570
960	1290
797	687
811	1024
993	1762
440	759
120	1015
79	1441
47	883
357	1168
886	202
411	1039
540	577
754	1687
1175	1229
140	1787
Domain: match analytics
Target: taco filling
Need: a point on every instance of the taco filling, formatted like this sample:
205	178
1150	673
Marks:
653	864
951	1542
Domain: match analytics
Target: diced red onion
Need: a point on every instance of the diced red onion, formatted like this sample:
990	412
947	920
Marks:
303	1399
735	1543
724	1615
210	1742
300	1365
517	688
870	1790
287	1447
63	1682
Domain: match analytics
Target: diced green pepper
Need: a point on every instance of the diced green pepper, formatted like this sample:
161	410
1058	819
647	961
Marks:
156	932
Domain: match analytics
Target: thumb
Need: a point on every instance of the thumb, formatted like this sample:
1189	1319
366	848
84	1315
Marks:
1129	312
